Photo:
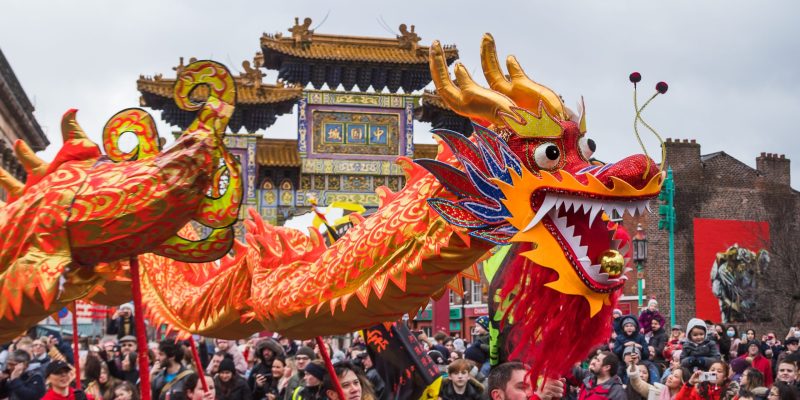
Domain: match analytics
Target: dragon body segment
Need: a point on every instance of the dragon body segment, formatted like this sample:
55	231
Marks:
524	178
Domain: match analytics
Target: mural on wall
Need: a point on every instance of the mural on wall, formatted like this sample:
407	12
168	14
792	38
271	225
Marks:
357	133
730	259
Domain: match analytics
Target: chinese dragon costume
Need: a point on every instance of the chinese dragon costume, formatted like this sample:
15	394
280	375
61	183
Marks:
524	178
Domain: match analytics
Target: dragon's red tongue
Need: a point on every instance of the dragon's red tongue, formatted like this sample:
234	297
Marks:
630	169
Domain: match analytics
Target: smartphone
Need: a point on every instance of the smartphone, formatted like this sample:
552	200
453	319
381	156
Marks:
708	377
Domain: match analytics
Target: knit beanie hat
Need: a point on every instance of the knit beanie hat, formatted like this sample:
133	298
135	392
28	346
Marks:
227	365
315	370
306	351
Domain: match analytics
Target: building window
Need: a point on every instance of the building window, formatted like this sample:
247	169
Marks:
452	297
476	292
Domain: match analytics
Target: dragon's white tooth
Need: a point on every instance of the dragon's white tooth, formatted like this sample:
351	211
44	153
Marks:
641	206
596	208
615	244
568	231
631	208
647	205
581	251
547	204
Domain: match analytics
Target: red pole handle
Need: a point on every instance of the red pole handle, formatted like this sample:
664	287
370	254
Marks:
141	339
75	347
198	364
329	364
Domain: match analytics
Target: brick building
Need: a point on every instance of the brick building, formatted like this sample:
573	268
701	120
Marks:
16	122
719	188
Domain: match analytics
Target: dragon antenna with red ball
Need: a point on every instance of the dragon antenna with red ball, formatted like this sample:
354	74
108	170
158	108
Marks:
661	88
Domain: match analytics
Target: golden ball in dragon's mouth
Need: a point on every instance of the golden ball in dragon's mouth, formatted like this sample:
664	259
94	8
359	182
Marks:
612	263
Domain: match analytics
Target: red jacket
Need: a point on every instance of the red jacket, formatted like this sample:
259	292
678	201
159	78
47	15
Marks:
52	395
689	392
762	364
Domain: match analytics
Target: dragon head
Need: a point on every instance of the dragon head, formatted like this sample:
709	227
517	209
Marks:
526	178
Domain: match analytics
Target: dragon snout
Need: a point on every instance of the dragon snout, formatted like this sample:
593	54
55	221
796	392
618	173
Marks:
637	170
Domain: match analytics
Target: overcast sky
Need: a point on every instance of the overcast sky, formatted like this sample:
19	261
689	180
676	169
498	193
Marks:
732	66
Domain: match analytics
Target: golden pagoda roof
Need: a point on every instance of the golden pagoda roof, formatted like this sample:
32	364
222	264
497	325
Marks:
246	91
425	151
304	43
277	153
433	99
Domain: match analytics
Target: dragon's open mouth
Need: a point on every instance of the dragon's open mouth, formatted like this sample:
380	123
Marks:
585	238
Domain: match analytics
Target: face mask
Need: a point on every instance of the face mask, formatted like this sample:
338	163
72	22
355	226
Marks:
731	333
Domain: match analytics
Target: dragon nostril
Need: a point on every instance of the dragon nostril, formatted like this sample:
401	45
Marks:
592	145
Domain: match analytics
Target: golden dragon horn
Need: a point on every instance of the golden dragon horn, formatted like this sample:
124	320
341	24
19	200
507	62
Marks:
10	184
464	96
70	128
518	86
32	164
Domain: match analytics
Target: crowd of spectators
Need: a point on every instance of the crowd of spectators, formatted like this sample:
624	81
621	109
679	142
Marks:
642	360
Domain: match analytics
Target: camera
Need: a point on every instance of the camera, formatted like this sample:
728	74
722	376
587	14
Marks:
708	377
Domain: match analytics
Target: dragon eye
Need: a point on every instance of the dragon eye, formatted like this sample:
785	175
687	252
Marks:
547	155
587	147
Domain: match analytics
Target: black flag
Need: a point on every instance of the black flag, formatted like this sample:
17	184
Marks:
402	362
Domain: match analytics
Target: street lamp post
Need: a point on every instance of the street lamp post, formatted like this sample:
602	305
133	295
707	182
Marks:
640	258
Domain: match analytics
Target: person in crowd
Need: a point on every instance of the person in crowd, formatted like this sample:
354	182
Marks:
738	367
719	335
124	365
213	364
787	372
657	341
354	384
667	391
229	385
16	382
459	384
374	377
630	336
39	357
699	351
121	323
312	388
168	373
718	387
438	360
783	391
674	342
126	391
733	334
261	374
303	357
59	376
229	346
101	384
276	386
193	389
674	364
648	315
616	320
749	336
480	344
439	339
753	382
637	371
509	381
791	345
758	361
602	382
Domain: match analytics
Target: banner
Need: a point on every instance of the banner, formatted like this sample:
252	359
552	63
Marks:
400	359
730	259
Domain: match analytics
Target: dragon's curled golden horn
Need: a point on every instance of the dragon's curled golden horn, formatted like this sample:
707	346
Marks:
518	86
464	96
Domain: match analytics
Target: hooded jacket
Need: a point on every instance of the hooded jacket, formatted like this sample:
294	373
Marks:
700	355
636	337
264	366
611	389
